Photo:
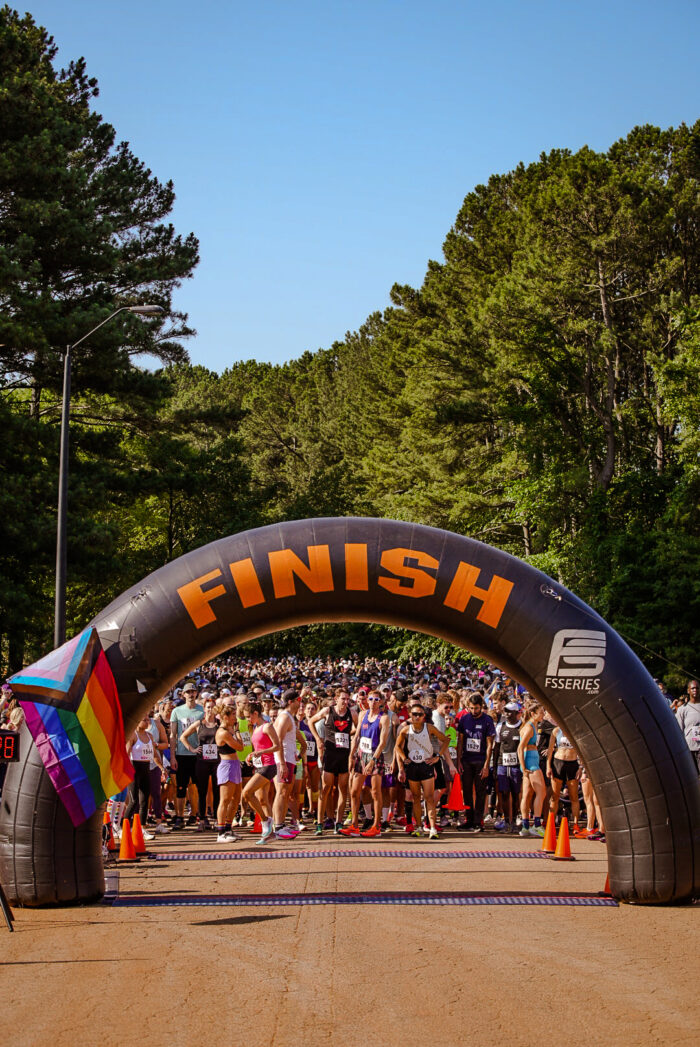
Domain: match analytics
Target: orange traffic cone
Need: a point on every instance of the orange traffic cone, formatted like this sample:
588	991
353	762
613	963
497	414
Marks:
563	851
549	844
127	853
257	824
455	801
108	835
606	889
137	835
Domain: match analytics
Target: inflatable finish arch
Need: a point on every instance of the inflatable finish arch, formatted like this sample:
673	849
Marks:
357	569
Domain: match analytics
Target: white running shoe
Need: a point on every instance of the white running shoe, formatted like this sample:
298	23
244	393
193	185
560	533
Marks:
433	834
267	832
161	828
226	838
148	836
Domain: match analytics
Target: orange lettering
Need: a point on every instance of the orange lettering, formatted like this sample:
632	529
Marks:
356	576
197	601
318	576
394	560
493	599
246	581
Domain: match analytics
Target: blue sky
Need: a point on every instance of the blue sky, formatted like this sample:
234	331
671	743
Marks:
321	151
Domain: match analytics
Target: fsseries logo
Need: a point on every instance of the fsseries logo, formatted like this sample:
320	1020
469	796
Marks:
576	660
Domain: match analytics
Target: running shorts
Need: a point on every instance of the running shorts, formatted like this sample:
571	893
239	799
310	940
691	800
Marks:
564	770
229	771
419	772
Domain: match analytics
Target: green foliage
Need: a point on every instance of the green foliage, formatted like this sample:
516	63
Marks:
539	391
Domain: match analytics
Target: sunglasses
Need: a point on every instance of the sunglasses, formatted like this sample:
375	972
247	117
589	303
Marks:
417	716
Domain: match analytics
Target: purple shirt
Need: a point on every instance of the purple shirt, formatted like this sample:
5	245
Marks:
475	732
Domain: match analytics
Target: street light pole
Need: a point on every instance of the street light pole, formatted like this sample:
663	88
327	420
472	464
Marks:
59	632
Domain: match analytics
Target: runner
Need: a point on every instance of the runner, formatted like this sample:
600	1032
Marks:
338	722
534	789
508	774
182	761
367	761
266	745
286	731
207	759
476	733
142	751
313	773
417	760
563	769
228	775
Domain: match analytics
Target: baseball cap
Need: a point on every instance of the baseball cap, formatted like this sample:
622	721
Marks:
190	687
290	695
512	707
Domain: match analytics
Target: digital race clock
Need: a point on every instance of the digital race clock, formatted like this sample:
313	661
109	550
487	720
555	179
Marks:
9	746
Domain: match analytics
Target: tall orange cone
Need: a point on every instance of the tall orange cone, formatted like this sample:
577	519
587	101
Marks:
606	889
563	851
455	801
549	844
137	835
127	852
108	835
257	825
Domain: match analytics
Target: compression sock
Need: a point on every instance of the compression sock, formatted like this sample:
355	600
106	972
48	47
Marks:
368	810
538	822
526	823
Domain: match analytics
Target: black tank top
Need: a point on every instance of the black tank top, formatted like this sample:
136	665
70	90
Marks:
337	723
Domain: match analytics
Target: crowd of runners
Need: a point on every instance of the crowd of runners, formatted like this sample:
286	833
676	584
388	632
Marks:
358	748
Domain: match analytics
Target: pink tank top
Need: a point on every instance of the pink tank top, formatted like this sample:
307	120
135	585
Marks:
261	741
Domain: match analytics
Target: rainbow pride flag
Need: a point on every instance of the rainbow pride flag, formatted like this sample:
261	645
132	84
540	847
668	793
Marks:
74	715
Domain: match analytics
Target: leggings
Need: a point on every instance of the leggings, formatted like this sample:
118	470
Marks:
155	793
204	771
472	782
139	791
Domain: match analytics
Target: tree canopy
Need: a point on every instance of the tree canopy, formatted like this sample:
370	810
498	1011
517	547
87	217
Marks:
538	392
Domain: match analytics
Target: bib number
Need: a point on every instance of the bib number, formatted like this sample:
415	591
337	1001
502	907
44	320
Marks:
245	738
342	741
509	759
257	762
146	752
310	747
473	745
453	752
366	746
209	752
695	735
417	756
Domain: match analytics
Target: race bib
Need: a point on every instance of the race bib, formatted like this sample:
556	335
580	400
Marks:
257	762
695	735
453	752
366	746
310	748
146	752
473	745
509	759
416	756
245	738
342	741
209	752
564	743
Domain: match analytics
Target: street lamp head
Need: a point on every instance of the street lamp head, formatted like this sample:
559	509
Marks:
146	310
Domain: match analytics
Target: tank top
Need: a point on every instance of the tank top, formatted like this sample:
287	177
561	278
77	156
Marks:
419	745
261	740
337	730
289	742
370	731
311	754
142	751
244	729
206	736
